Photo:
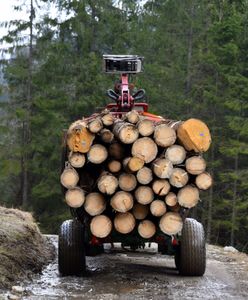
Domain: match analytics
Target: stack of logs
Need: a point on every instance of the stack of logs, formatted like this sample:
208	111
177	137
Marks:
134	173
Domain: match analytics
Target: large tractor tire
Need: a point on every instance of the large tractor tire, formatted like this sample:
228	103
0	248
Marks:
190	258
71	254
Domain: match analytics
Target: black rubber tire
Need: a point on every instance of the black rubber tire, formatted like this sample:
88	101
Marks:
71	254
191	256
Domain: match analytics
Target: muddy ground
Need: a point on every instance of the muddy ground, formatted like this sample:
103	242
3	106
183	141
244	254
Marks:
144	275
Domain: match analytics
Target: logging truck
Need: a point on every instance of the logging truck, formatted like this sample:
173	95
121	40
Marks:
131	177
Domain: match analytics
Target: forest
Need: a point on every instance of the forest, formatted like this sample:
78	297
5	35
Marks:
196	65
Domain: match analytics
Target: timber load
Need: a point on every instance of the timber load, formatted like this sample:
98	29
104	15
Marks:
135	174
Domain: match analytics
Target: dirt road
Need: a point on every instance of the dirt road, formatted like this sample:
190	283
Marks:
145	275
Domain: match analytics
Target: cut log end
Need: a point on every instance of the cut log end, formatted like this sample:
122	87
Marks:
127	133
144	175
195	165
162	168
204	181
122	201
124	222
114	166
69	178
75	197
164	136
146	127
179	177
94	204
76	159
132	117
107	184
145	148
171	223
127	182
97	154
144	195
176	154
108	119
95	125
188	196
146	229
101	226
106	136
158	208
171	199
79	138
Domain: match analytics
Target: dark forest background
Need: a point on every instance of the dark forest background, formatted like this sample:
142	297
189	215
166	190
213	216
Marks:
196	65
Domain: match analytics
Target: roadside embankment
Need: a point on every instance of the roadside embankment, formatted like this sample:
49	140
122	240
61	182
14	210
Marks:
23	249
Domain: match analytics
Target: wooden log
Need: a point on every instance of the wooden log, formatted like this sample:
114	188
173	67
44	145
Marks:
94	204
108	119
95	125
144	175
204	181
114	166
194	135
79	138
144	195
195	165
75	197
124	222
145	148
97	154
146	127
69	178
127	133
122	201
116	150
127	182
161	187
133	164
146	229
179	177
106	136
171	199
176	154
158	208
140	211
171	223
162	168
132	117
164	135
107	183
175	208
101	226
76	159
188	196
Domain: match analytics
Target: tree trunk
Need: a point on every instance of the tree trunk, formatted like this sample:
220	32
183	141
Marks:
204	181
195	165
94	204
161	187
108	119
171	223
101	226
179	177
107	184
133	164
158	208
97	154
122	201
188	196
127	133
171	199
145	127
162	168
234	199
76	159
146	229
176	154
144	195
69	178
132	117
95	125
144	175
124	222
145	148
164	135
127	182
75	197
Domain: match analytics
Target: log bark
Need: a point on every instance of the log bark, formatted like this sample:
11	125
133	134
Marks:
144	175
140	211
122	201
75	197
133	164
124	222
69	178
164	135
95	125
101	226
145	148
132	117
146	229
179	177
97	154
195	165
127	182
114	166
125	132
162	168
106	136
171	199
116	150
204	181
176	154
194	135
158	208
161	187
188	196
108	119
171	223
79	138
146	127
76	159
107	184
94	204
144	195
